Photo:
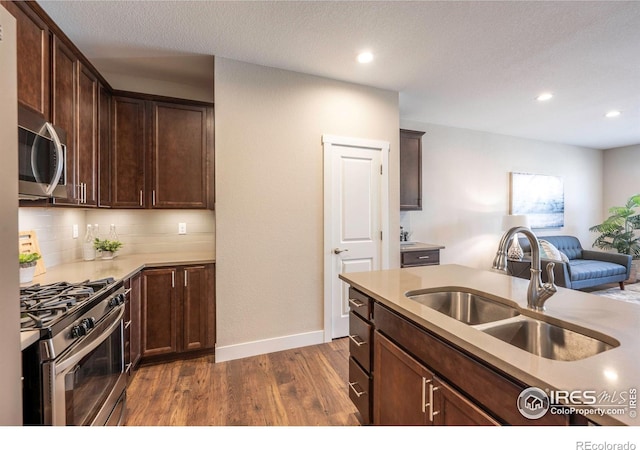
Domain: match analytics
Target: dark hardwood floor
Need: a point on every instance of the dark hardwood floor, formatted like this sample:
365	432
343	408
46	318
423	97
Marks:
300	387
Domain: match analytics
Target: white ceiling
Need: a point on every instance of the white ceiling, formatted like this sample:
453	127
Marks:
468	64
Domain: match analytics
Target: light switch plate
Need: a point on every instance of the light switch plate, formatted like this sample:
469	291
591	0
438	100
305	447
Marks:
75	231
182	228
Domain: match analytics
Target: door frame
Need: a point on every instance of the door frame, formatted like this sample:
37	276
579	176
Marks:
328	143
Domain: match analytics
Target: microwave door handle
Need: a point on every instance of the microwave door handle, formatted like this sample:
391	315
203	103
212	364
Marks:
59	159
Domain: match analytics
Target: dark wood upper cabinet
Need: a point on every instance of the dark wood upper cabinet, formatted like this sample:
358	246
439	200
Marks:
411	170
162	153
64	101
128	140
104	147
179	156
87	139
34	59
124	149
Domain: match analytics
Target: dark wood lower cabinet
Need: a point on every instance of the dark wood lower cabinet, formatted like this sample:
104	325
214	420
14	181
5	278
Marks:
453	408
178	311
399	386
133	324
408	393
418	378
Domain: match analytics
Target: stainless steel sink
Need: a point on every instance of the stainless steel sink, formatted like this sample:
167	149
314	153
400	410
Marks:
466	307
548	340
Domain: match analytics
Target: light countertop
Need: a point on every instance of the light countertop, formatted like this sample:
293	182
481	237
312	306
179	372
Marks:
614	371
415	246
120	268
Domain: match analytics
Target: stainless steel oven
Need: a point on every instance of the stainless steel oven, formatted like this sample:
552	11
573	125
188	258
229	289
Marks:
76	371
88	381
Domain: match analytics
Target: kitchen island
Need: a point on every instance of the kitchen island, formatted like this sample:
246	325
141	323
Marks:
614	372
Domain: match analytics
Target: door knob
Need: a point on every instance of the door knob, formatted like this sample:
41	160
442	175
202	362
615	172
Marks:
337	251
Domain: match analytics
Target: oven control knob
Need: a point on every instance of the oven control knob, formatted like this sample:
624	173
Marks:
79	330
116	300
89	323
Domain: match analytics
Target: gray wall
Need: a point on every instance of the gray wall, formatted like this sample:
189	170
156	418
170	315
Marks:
621	176
466	189
269	197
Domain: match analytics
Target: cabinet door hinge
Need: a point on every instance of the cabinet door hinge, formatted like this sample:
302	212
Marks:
380	169
381	235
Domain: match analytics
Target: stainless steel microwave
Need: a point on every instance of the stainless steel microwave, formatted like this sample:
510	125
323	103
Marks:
42	162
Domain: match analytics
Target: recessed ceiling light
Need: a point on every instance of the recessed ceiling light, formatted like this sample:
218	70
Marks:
612	114
365	57
544	97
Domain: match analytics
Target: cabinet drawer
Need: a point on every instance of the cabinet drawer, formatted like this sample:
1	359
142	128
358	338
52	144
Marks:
360	304
421	258
495	393
360	390
360	341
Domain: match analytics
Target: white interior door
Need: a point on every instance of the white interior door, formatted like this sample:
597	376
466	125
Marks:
356	218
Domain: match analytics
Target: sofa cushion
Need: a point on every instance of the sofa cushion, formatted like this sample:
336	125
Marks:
549	251
585	269
569	245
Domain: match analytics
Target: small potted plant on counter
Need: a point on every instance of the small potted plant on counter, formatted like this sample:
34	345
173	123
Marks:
106	247
28	263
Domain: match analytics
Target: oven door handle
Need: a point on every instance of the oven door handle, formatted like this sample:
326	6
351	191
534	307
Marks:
92	341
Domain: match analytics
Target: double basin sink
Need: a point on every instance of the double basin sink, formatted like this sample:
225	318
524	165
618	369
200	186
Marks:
508	324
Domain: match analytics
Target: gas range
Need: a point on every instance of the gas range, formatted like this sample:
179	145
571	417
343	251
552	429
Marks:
74	374
45	307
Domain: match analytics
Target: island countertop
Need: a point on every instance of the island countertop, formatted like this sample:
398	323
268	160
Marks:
614	372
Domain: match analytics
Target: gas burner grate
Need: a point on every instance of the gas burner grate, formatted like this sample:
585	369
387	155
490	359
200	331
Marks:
40	305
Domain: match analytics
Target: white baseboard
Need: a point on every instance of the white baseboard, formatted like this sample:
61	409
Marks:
237	351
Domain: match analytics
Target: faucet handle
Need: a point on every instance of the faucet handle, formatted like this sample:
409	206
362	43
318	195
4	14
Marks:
550	275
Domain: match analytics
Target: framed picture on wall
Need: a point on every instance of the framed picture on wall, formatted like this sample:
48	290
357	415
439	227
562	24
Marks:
539	197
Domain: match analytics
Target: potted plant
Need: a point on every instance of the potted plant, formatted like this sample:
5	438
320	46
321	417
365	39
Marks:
28	263
617	232
107	247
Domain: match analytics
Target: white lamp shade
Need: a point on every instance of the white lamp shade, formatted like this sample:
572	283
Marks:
512	220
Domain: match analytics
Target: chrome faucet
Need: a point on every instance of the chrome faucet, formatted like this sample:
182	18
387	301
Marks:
538	292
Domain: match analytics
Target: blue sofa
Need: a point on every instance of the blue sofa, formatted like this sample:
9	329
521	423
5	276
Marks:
585	268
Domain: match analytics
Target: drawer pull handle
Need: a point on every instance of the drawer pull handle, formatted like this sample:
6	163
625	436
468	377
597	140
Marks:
357	303
359	394
424	257
432	413
357	340
425	382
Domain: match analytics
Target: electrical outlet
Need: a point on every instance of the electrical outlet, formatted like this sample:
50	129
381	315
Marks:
182	228
75	231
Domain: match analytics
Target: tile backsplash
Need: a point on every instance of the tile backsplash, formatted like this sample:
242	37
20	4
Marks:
53	227
141	231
